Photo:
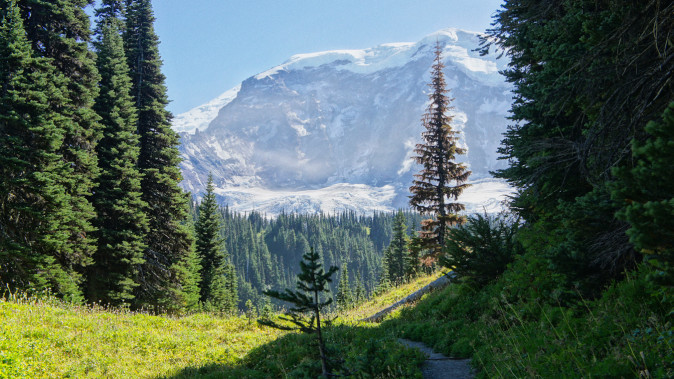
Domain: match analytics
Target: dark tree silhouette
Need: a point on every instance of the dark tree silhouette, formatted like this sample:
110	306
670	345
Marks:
431	191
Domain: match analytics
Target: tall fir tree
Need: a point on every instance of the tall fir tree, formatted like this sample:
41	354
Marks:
231	290
216	275
573	117
344	298
385	277
398	252
35	204
432	192
60	30
121	221
110	12
168	240
359	294
189	277
415	248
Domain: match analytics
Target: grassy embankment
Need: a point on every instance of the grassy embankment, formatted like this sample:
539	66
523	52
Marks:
522	325
44	337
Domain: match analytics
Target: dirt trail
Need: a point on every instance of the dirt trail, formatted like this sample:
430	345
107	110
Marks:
438	366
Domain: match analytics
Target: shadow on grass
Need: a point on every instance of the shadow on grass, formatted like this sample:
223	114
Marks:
362	352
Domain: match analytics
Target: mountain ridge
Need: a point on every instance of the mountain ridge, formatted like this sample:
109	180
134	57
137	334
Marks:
332	122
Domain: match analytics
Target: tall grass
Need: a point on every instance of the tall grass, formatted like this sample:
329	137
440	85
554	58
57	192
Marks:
43	337
627	332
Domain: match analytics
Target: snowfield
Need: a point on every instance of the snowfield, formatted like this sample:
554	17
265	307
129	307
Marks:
336	130
486	195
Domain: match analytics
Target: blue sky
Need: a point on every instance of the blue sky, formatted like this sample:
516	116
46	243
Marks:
209	46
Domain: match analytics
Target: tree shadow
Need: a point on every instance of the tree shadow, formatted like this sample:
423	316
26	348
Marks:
357	351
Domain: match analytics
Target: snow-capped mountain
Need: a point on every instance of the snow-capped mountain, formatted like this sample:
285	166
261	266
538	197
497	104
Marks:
336	130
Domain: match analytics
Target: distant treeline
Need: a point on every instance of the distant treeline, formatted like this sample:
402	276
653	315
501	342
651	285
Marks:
266	251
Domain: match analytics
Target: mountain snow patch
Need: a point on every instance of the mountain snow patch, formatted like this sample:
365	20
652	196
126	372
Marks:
336	130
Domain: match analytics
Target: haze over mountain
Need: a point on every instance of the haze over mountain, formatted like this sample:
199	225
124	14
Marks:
335	130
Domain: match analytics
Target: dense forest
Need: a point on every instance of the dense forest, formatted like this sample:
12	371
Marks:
90	207
266	251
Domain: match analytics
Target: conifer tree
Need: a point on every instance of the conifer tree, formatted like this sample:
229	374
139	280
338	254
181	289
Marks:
415	248
232	291
60	30
432	192
646	192
312	282
168	240
110	12
251	311
359	294
398	258
385	278
188	274
121	222
35	204
344	296
217	277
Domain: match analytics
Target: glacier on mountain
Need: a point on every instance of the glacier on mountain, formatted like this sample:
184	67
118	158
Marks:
335	130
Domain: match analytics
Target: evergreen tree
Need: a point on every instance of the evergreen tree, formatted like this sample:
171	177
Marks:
385	278
359	294
312	282
432	191
647	194
415	248
344	296
121	222
110	12
188	274
587	78
217	277
398	258
479	250
232	291
35	203
251	311
59	30
168	240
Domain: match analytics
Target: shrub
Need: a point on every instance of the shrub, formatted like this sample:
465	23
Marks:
480	249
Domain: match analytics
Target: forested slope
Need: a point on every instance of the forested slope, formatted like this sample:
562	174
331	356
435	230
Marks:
266	252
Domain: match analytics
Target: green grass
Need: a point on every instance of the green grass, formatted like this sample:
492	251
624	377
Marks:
49	339
506	327
43	337
388	298
511	330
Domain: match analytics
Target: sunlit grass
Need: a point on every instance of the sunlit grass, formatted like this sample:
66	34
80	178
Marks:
43	337
388	298
47	338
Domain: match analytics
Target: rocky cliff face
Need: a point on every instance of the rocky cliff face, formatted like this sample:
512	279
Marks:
336	130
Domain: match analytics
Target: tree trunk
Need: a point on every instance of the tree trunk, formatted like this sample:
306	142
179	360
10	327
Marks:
321	346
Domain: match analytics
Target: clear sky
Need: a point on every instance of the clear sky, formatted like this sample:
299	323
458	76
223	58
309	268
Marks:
210	46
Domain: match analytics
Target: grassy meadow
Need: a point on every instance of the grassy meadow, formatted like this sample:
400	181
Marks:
43	337
46	338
